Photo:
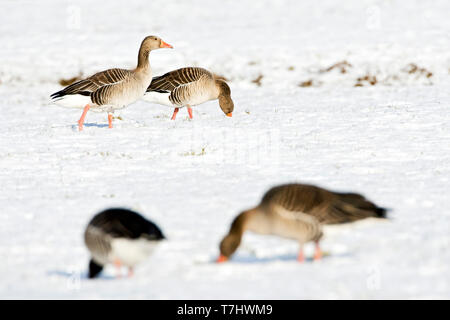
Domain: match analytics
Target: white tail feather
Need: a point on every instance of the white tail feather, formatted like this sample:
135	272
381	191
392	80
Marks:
73	101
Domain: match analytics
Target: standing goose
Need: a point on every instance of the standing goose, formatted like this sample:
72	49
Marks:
297	211
121	237
113	88
187	87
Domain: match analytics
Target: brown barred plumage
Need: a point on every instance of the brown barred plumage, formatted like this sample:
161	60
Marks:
113	88
175	78
297	211
189	87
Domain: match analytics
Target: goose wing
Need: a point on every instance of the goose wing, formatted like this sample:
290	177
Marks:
326	206
93	83
177	78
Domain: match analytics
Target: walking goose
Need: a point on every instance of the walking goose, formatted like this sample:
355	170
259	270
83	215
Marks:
297	211
113	88
121	237
189	87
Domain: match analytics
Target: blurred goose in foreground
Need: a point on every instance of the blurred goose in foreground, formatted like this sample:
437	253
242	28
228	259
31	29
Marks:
187	87
297	211
121	237
113	88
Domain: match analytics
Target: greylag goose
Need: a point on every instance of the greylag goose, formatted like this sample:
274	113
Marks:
113	88
121	237
187	87
298	211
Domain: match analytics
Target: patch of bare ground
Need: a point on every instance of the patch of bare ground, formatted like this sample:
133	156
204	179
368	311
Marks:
309	83
342	66
257	80
69	81
368	79
412	68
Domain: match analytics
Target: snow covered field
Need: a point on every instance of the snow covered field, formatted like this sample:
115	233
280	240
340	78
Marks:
305	110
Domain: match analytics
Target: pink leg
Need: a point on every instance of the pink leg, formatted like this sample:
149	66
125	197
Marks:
318	253
190	112
81	121
110	118
118	265
130	272
175	113
301	256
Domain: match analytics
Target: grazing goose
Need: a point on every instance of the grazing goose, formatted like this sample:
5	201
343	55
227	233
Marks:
113	88
297	211
189	87
121	237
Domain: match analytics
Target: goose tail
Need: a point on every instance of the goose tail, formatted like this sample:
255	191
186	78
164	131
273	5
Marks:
94	269
358	206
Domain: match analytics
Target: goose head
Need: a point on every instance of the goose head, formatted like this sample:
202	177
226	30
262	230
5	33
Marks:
232	240
153	43
225	101
228	246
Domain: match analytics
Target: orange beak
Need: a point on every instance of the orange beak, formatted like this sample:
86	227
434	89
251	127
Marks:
165	45
229	114
221	259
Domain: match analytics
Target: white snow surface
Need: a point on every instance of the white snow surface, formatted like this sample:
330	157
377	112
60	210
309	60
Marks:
389	141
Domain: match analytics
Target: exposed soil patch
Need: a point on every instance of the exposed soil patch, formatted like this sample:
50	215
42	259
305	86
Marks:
68	82
366	80
414	69
258	79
